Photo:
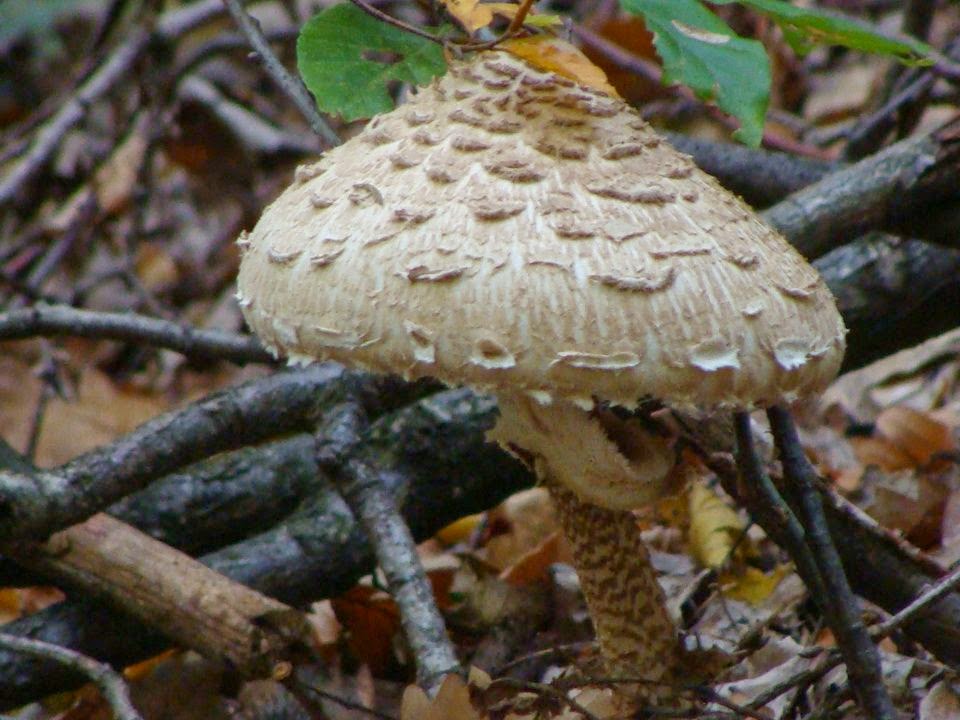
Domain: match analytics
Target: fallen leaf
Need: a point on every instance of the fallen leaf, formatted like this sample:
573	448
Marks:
550	53
941	703
372	620
752	585
915	432
715	527
533	566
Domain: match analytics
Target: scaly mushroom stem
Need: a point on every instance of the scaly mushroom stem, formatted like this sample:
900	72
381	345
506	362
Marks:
597	468
637	636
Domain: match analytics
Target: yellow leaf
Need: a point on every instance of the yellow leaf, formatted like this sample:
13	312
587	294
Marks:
509	11
753	585
470	13
459	530
714	526
551	53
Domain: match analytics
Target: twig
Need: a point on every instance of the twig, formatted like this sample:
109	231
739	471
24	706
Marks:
842	610
399	24
165	589
48	138
320	551
50	320
942	588
291	86
364	489
109	682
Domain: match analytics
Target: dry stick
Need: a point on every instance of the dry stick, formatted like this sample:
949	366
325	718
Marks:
291	86
364	490
51	320
110	683
859	652
170	591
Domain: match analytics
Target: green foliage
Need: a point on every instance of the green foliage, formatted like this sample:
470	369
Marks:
333	53
699	50
806	27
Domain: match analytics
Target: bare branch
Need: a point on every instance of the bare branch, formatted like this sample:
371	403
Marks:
110	683
291	86
51	320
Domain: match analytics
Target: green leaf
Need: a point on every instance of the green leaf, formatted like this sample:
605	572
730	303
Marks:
699	50
332	55
806	27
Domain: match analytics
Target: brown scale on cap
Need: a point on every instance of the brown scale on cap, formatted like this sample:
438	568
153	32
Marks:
513	231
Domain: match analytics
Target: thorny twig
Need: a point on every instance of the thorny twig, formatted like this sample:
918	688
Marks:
110	683
291	86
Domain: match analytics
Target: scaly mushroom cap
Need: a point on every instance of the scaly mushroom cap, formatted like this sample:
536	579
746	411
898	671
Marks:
508	228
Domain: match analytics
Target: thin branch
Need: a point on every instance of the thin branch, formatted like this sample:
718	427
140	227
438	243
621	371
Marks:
110	683
365	490
115	69
399	24
291	86
52	320
842	610
940	590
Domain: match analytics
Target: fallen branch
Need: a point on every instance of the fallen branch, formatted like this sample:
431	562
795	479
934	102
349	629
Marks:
171	592
291	86
320	551
889	190
36	505
117	67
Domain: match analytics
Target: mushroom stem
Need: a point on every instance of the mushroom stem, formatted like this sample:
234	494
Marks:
637	637
597	468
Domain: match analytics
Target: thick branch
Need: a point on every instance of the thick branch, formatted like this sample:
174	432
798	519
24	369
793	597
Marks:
885	191
173	593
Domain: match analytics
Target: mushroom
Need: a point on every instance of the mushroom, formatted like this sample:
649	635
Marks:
513	231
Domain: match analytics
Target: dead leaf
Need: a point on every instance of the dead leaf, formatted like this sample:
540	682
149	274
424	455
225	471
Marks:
452	702
550	53
941	703
372	620
881	453
533	566
715	527
752	585
915	432
459	530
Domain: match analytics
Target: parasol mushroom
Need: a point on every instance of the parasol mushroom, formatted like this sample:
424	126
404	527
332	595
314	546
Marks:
511	230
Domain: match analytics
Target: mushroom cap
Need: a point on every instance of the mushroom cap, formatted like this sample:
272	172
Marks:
512	230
